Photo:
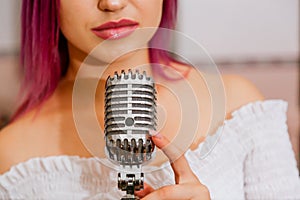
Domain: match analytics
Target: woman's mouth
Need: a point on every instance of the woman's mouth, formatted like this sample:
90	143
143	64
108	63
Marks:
114	30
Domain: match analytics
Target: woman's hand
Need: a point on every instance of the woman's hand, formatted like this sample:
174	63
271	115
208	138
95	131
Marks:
187	184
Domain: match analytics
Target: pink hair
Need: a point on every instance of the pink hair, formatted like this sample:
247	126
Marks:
44	57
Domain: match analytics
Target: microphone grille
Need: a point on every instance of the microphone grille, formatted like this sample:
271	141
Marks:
130	112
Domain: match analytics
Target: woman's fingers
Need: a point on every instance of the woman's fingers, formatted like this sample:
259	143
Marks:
181	168
142	193
187	184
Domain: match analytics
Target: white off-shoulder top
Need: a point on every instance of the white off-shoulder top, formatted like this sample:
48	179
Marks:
253	159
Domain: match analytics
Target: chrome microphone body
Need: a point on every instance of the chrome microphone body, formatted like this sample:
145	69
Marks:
130	113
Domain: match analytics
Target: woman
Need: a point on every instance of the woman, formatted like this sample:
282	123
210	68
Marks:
41	154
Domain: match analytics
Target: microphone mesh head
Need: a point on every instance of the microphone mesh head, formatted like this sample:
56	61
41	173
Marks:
130	113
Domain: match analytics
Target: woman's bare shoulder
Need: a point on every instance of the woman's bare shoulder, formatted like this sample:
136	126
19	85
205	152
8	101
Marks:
21	140
32	137
11	139
239	91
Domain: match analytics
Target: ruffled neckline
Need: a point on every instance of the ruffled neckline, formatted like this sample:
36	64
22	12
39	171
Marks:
238	118
71	163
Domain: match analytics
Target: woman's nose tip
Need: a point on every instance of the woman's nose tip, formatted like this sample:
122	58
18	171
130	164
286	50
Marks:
111	5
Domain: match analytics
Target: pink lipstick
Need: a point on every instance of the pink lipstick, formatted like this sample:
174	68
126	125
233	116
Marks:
114	30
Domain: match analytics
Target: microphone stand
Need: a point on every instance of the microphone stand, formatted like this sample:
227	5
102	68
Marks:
130	182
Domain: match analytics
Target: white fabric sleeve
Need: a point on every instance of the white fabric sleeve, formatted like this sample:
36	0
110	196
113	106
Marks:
270	169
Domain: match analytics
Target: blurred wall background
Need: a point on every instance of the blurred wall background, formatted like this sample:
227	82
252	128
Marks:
239	31
258	39
9	49
9	23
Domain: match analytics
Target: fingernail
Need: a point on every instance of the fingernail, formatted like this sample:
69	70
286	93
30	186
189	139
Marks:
152	132
158	136
155	134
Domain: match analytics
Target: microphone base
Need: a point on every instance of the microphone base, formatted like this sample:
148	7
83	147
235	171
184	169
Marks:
131	197
130	182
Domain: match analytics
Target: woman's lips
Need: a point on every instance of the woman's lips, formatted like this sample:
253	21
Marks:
114	30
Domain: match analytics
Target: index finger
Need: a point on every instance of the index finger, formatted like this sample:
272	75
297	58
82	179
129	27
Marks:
180	166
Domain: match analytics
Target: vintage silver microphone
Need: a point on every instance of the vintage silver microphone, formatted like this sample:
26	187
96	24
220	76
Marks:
130	113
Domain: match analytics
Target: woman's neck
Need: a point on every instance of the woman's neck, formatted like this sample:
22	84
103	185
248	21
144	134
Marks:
136	60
